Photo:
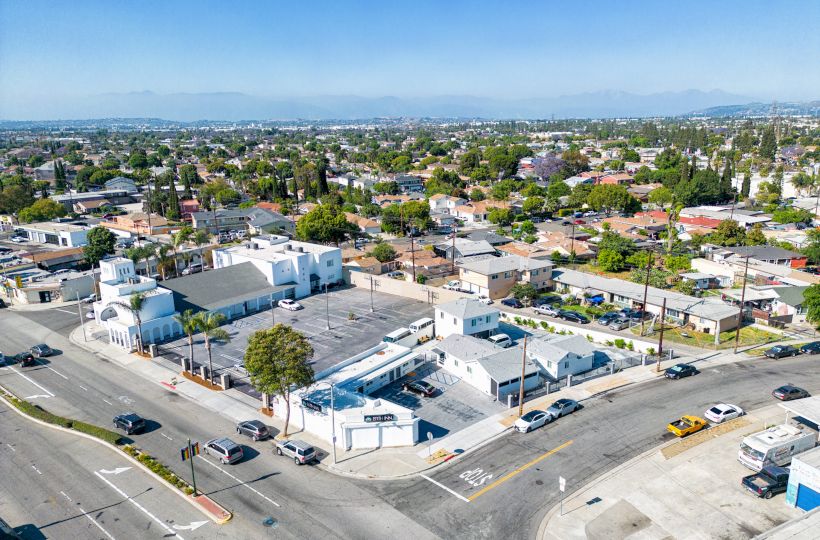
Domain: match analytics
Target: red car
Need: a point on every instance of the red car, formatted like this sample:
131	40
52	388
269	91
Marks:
580	222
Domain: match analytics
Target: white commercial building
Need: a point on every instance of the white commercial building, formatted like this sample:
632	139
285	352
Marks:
360	420
466	317
59	234
118	282
283	261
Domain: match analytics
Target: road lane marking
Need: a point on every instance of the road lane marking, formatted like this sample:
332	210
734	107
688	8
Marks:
10	446
229	357
51	368
36	469
94	521
108	402
518	470
138	505
64	311
445	488
166	436
83	387
64	495
240	481
29	379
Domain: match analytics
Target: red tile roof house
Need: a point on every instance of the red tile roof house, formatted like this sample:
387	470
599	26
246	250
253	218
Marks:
619	179
188	207
687	223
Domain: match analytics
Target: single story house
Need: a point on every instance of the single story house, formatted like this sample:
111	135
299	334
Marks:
559	356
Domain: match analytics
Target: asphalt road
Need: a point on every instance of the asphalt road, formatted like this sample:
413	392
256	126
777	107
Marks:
57	485
305	501
501	490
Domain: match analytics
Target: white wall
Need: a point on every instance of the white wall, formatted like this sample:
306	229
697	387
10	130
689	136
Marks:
447	324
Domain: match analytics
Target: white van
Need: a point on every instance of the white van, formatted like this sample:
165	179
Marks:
776	446
396	335
500	340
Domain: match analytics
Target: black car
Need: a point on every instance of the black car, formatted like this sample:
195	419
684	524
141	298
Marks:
42	350
422	388
768	482
130	423
788	392
811	348
25	359
679	371
254	429
573	316
779	351
608	318
512	302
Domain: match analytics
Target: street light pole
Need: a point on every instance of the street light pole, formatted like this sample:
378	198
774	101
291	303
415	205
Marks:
521	385
646	290
327	307
742	301
371	293
333	421
80	311
660	339
272	315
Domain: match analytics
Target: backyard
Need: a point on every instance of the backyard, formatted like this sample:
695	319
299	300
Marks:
749	336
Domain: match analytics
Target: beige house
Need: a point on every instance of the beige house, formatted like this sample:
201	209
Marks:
495	276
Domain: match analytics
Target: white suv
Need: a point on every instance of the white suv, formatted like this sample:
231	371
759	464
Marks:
291	305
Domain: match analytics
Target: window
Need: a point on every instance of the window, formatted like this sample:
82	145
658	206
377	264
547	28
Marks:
566	365
330	263
506	274
441	314
469	369
455	321
494	276
455	362
534	272
473	321
487	320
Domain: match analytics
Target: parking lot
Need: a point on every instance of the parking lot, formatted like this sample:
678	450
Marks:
454	406
345	338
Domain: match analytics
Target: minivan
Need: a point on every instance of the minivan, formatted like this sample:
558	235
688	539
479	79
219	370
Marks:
500	340
420	325
225	449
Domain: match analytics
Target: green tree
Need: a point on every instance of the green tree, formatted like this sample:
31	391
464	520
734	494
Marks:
278	361
477	195
500	216
661	196
609	197
811	301
533	205
557	189
616	243
768	144
138	160
677	263
746	187
173	212
812	248
802	182
325	225
755	237
134	306
189	324
728	233
42	210
386	188
525	292
210	324
610	261
100	242
792	215
384	252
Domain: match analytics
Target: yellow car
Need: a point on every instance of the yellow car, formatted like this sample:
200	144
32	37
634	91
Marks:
686	425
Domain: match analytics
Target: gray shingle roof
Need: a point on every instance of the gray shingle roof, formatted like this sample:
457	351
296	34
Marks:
466	308
506	365
556	347
466	348
215	289
765	253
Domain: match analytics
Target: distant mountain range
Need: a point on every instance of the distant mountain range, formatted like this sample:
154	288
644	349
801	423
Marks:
809	108
235	106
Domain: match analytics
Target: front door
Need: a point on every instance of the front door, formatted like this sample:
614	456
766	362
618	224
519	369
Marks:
45	296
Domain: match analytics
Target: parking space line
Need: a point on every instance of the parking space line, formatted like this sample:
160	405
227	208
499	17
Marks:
52	369
518	470
94	521
162	524
240	481
64	311
445	488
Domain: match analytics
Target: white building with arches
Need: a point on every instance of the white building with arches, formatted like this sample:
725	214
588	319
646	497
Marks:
118	283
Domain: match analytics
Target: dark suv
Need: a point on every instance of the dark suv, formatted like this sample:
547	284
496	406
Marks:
422	388
130	423
512	302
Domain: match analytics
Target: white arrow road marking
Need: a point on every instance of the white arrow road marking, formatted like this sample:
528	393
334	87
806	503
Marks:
29	379
35	396
240	481
138	505
118	470
92	520
192	527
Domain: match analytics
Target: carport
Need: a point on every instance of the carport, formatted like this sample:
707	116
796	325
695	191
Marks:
803	490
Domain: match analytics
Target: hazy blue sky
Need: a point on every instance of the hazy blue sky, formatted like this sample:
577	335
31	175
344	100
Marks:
765	49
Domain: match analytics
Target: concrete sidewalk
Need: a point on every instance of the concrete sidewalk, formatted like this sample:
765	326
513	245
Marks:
382	463
687	488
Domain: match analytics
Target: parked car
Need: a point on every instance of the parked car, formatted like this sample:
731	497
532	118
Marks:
254	429
686	425
573	316
42	350
768	482
2	303
422	388
608	318
25	359
779	351
396	274
546	309
679	371
811	348
512	302
484	299
619	324
289	304
225	449
18	239
500	340
723	412
563	407
580	222
192	269
90	299
532	420
130	423
300	451
788	392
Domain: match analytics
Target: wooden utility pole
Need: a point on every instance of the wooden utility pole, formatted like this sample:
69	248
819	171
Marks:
521	385
413	254
660	339
453	266
646	290
742	301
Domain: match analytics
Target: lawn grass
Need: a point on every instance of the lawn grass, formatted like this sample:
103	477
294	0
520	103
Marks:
748	336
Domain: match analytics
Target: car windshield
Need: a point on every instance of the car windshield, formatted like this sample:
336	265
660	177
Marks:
676	368
751	452
715	410
530	416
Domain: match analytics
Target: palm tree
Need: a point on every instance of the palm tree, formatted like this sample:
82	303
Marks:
200	239
181	237
164	261
190	325
210	326
133	306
